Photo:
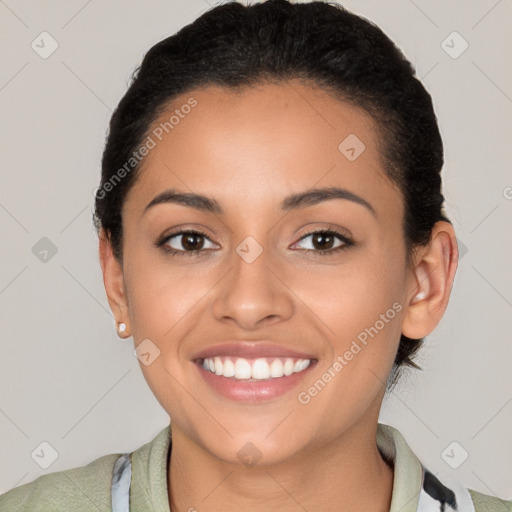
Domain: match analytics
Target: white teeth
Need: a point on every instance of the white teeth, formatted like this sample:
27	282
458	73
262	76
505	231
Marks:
218	366
305	363
288	367
258	369
276	368
242	369
228	368
300	365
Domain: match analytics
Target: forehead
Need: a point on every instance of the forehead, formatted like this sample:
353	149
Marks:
262	143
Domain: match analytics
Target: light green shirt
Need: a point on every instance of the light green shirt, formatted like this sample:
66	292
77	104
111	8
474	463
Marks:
88	488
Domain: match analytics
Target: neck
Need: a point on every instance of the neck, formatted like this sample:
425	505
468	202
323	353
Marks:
345	474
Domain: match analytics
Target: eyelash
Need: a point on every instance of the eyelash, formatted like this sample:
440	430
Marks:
347	243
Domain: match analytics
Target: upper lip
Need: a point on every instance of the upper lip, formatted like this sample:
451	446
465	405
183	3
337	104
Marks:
249	350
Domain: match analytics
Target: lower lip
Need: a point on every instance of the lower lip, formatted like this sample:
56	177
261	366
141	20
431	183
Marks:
253	391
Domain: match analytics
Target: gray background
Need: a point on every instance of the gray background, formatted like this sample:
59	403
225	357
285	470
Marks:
67	379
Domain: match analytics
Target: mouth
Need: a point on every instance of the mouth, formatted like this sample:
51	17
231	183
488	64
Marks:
253	380
263	368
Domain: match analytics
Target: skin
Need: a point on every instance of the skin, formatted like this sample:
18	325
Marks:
249	150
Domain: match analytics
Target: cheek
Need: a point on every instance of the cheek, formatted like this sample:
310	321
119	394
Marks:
349	297
163	296
358	309
166	305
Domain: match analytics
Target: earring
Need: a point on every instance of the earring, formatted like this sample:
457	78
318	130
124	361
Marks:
419	296
122	327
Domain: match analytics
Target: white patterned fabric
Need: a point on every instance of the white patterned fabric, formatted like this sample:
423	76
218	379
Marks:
121	481
443	497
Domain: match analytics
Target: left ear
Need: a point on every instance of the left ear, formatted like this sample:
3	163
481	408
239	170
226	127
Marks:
430	282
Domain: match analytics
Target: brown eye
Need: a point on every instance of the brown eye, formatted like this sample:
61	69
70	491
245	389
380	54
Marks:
192	241
185	243
323	241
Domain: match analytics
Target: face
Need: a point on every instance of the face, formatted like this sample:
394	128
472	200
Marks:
270	276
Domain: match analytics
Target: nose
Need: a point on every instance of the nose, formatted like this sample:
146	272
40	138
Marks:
254	293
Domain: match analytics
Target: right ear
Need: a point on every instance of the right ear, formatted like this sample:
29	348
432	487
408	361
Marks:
113	280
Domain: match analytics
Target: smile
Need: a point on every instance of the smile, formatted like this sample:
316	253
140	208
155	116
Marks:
263	368
253	380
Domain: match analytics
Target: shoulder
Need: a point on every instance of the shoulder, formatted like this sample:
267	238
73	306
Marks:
82	488
451	495
88	487
444	493
486	503
448	494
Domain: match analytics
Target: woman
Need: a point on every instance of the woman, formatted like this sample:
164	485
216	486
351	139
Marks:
272	235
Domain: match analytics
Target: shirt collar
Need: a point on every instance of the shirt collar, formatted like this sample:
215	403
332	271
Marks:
407	469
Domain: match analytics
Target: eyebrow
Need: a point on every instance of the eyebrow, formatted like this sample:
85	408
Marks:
293	202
